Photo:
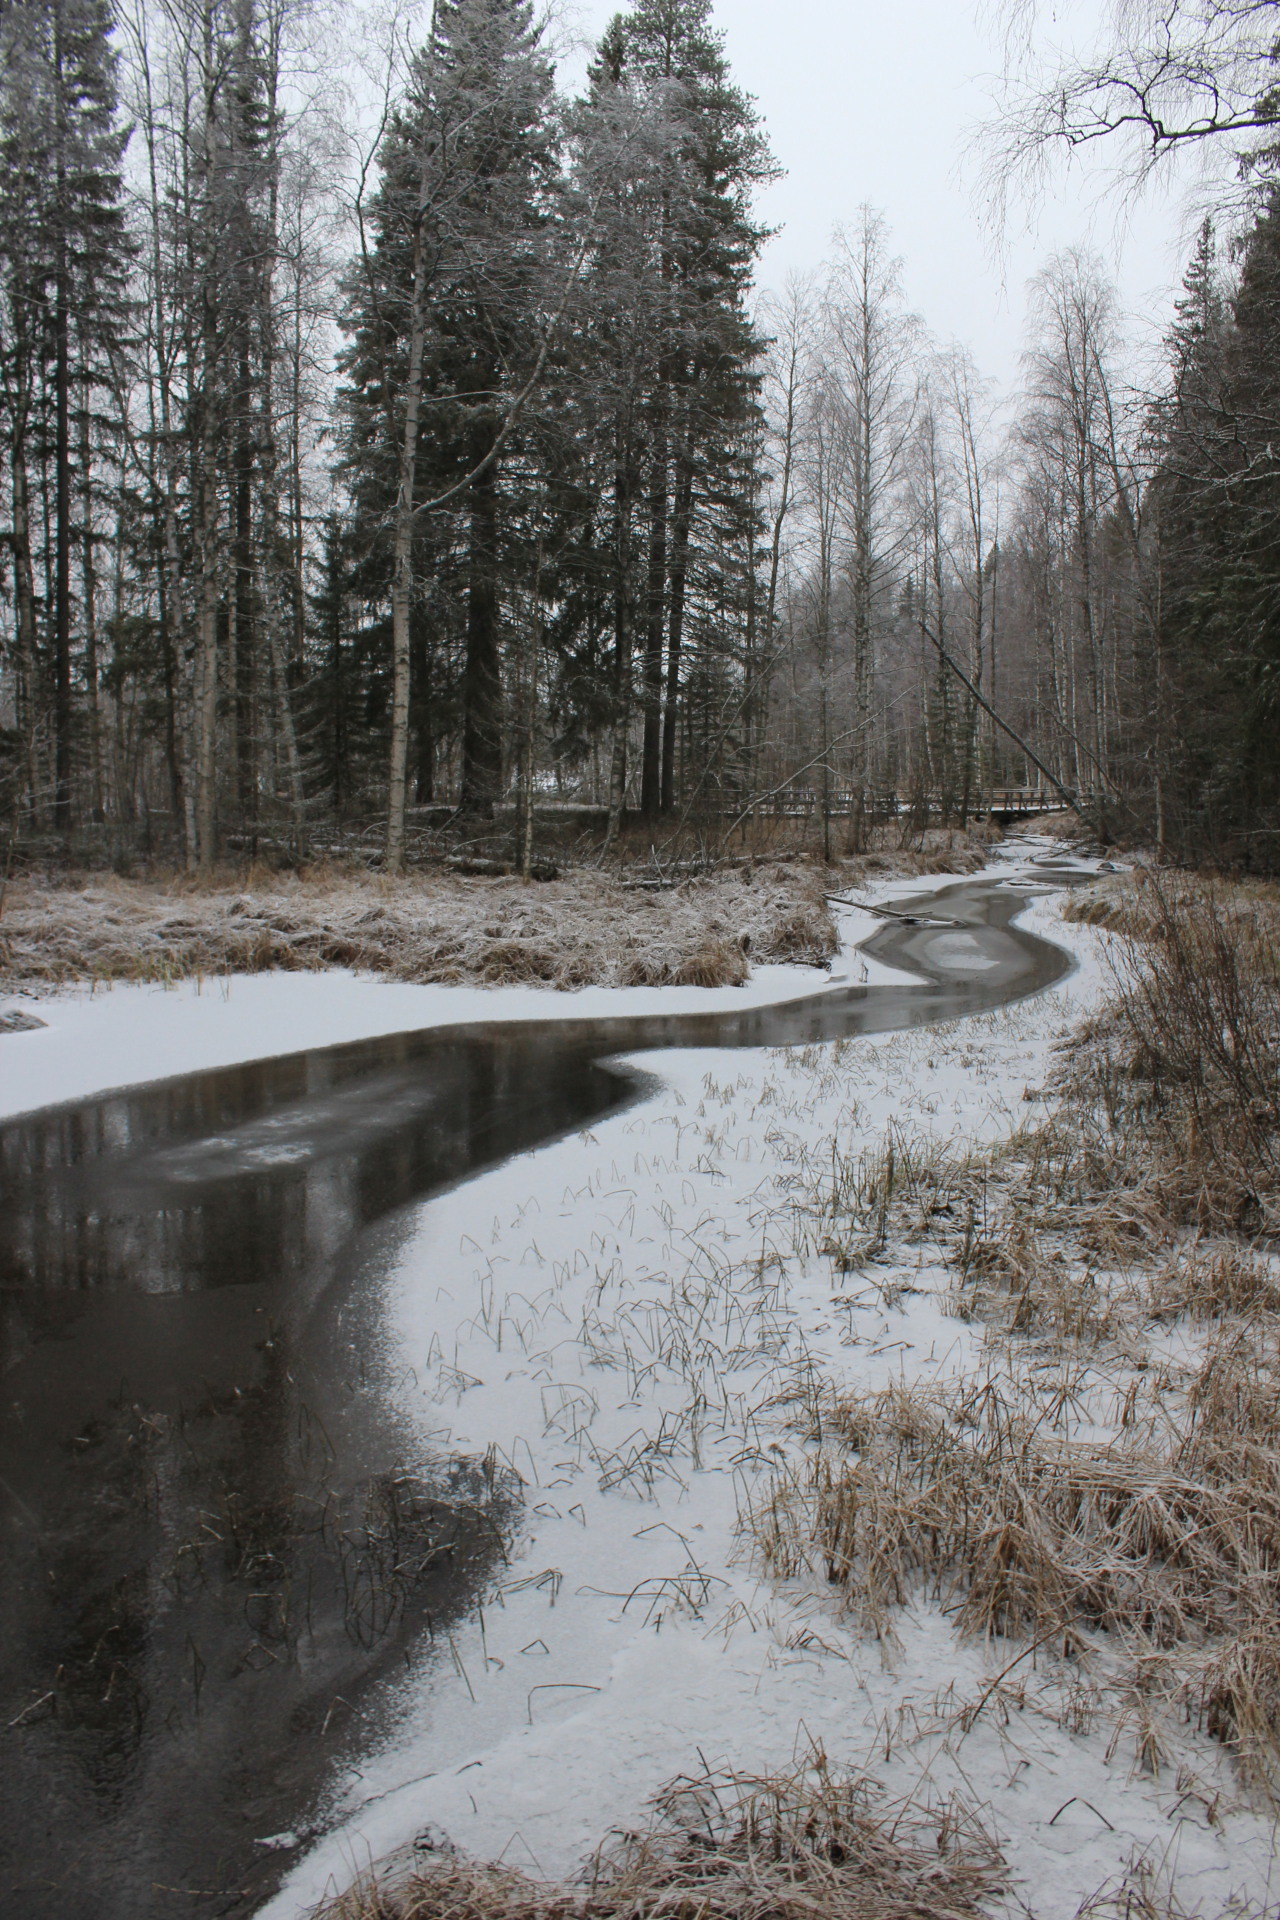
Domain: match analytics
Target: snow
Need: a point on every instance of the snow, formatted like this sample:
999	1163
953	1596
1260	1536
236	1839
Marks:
625	1316
124	1035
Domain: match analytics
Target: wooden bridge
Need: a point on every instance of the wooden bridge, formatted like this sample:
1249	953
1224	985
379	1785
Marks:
1012	803
1004	804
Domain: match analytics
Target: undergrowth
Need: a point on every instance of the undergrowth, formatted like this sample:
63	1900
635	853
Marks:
642	921
585	929
1099	1495
1110	1479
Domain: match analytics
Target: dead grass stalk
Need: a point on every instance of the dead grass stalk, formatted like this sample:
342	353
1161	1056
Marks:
728	1846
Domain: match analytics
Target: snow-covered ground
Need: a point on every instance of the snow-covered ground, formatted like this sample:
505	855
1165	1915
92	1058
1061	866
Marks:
98	1038
626	1316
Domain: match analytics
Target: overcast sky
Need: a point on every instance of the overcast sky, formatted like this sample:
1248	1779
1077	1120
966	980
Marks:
874	100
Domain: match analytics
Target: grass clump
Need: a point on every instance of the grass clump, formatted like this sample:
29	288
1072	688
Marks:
727	1846
982	1493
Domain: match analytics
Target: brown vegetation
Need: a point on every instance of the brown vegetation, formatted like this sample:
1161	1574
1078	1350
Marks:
631	925
1103	1492
982	1494
1092	1487
1087	1488
1176	1086
585	929
727	1846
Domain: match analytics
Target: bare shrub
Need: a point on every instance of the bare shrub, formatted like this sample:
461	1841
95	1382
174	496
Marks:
729	1846
1182	1072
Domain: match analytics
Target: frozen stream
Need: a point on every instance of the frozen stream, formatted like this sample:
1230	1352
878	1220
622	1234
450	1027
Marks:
212	1481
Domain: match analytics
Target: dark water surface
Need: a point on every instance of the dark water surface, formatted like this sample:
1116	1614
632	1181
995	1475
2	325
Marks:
218	1535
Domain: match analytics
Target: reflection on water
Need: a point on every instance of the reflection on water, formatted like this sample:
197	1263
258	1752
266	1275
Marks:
217	1532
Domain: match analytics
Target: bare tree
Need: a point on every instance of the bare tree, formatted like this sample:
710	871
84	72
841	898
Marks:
1066	434
870	349
1162	77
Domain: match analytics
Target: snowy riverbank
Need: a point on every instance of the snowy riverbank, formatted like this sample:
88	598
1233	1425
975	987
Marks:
100	1037
626	1317
631	1317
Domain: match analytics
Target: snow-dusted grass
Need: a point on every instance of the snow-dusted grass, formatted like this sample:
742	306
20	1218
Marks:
1106	1487
646	1321
727	1846
588	928
89	1040
82	1038
630	925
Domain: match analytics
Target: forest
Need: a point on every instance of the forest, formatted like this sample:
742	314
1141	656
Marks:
398	451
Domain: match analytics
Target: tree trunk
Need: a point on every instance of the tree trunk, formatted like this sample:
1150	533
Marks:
482	675
622	489
402	575
675	628
90	599
62	541
651	761
168	602
241	667
24	585
205	688
528	784
286	730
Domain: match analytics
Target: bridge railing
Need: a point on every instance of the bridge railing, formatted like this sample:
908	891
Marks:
1012	801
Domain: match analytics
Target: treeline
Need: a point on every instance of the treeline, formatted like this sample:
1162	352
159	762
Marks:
1084	598
349	486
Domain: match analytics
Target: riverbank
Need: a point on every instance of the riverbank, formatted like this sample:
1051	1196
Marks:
733	1344
624	926
196	1270
697	1344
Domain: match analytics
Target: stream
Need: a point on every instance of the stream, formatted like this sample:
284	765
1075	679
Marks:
220	1535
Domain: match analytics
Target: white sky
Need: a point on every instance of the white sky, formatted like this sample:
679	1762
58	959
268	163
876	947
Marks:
874	100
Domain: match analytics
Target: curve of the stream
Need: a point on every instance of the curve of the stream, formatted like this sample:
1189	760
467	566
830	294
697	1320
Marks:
215	1527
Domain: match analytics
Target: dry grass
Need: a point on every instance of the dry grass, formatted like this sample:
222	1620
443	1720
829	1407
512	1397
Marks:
1069	1507
641	922
1137	900
727	1846
1178	1082
1150	1891
16	1020
1106	1486
982	1494
585	929
1098	1484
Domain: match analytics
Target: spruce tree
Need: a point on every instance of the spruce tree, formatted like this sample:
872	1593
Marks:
675	345
1215	496
66	258
445	315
